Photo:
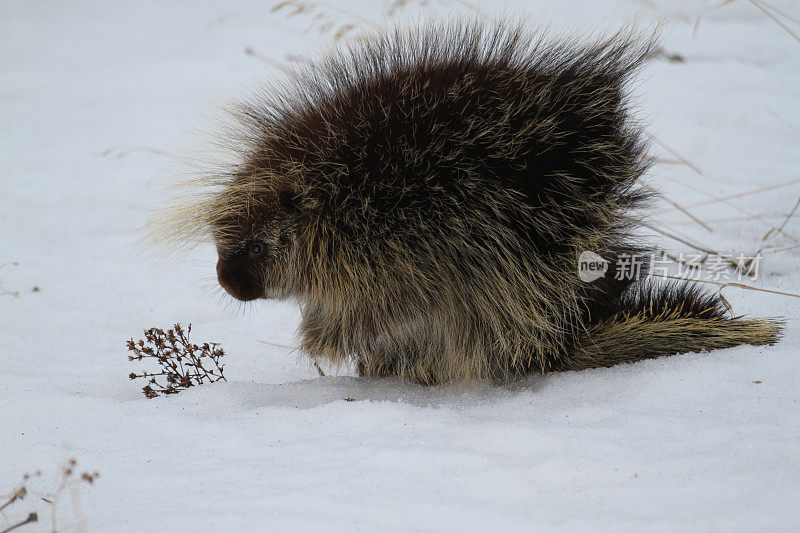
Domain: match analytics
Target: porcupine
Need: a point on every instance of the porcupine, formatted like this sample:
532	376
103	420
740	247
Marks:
424	196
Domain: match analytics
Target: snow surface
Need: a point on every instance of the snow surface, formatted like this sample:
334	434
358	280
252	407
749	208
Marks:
97	98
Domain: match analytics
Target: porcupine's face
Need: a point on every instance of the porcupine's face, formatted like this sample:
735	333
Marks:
255	248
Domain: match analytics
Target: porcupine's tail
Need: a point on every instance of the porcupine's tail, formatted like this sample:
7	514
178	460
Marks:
652	320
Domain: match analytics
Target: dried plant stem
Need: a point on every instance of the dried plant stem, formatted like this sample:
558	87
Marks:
16	496
264	58
333	7
778	250
4	291
751	288
667	161
764	7
122	152
722	285
744	218
726	201
469	5
721	199
278	345
293	349
778	21
32	517
322	21
399	4
181	361
783	225
672	151
780	12
683	239
682	209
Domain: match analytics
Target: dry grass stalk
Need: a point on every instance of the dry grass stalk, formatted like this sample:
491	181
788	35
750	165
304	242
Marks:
726	201
780	12
18	494
264	58
69	480
722	285
763	7
667	161
397	5
682	209
723	199
323	17
771	11
720	220
682	238
32	517
770	251
783	225
675	153
3	290
119	153
294	349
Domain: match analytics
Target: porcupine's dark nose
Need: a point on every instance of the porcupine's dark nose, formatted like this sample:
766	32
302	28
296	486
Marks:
234	282
221	276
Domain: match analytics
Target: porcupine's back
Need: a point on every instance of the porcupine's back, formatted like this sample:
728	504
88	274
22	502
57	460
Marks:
472	118
448	179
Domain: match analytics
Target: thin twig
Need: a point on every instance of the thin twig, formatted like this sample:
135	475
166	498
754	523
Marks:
667	161
680	208
732	219
18	495
3	290
122	152
726	201
674	153
265	59
291	348
722	285
719	199
781	13
294	349
326	5
790	215
770	251
683	240
733	284
277	345
703	12
782	120
32	517
778	21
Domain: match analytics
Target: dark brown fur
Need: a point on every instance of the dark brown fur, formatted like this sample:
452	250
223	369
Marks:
424	196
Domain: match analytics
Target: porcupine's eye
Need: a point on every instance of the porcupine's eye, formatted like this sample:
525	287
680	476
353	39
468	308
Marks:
256	248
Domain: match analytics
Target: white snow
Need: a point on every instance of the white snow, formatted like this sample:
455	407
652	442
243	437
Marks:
94	94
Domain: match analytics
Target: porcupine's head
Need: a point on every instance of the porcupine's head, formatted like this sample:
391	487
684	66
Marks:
244	197
253	224
249	214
